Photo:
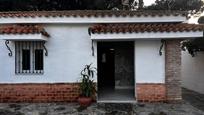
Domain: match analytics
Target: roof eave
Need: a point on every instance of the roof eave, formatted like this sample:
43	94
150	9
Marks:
92	16
147	35
24	37
90	20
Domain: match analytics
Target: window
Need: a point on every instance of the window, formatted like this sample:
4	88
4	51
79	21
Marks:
26	59
29	57
39	59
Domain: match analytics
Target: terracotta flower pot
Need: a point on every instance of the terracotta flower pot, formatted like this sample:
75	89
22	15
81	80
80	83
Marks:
85	101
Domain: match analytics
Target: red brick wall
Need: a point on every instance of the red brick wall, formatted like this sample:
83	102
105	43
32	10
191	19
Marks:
150	92
39	92
173	70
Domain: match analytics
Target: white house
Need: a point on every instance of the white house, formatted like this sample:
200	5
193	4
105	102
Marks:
137	54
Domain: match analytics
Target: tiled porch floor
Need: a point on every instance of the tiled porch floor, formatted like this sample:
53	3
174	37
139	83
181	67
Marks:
116	95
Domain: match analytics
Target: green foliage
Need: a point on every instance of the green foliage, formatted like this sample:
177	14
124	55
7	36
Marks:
52	5
193	46
87	85
201	20
181	5
49	5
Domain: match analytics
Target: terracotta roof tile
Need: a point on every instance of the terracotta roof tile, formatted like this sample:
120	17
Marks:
90	13
147	27
23	29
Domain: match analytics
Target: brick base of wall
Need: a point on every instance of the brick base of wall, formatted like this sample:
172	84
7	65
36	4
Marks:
150	92
43	92
68	92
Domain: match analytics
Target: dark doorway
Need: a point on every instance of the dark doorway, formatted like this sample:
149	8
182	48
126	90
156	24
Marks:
106	66
115	69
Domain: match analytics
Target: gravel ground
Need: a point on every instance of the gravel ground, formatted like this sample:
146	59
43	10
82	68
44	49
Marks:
193	104
98	109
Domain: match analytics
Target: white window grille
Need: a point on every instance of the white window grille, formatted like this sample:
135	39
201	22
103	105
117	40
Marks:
29	57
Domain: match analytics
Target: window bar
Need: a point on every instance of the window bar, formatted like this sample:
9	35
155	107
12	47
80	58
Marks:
40	71
19	62
30	57
28	47
22	47
25	47
21	56
33	62
31	49
41	43
36	45
18	57
37	48
15	58
42	56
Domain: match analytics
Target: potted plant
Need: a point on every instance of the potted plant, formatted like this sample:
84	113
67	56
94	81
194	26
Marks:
87	85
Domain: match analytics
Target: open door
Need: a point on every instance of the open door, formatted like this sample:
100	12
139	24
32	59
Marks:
115	71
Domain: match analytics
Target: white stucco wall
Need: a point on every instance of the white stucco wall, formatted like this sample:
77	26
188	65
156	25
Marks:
193	71
149	65
69	49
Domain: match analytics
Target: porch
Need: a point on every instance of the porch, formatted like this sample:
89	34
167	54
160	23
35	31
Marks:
156	59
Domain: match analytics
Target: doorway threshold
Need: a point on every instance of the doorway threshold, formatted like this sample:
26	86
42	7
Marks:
116	96
117	101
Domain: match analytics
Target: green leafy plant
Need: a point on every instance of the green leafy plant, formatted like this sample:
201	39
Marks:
87	85
193	46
